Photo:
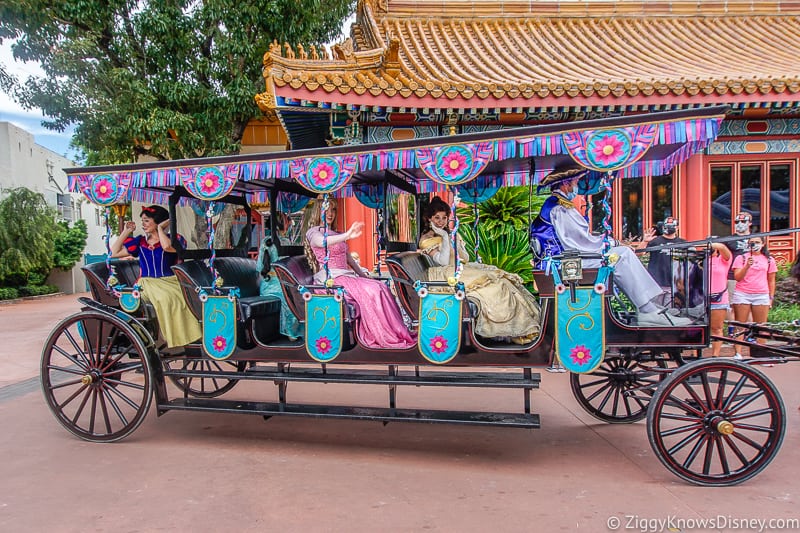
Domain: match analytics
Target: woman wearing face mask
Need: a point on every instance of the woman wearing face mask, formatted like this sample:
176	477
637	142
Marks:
560	227
505	307
754	272
660	264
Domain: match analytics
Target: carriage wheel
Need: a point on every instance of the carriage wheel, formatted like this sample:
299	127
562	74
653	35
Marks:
716	422
95	376
619	390
204	387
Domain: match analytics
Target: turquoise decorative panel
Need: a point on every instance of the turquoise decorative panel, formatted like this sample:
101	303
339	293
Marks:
219	326
439	336
580	330
324	326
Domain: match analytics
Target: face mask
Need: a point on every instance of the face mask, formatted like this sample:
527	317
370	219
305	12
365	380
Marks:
572	194
756	247
670	230
741	227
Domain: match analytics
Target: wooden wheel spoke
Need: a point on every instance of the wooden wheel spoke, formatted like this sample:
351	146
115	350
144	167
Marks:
599	391
116	358
66	370
107	396
681	404
751	427
104	409
681	429
122	396
128	384
110	344
747	440
734	393
605	399
748	399
72	396
66	384
592	383
703	405
695	451
80	409
751	414
681	444
78	350
723	379
732	445
723	458
93	411
679	416
89	347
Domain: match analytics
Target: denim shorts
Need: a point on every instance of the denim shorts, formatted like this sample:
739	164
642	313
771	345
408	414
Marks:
751	299
719	306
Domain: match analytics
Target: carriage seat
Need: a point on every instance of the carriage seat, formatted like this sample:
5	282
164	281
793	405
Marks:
241	272
408	267
96	274
192	276
294	271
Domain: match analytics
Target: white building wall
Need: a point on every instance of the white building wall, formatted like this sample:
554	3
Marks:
23	163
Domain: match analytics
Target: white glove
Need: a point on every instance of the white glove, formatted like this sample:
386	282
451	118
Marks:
442	257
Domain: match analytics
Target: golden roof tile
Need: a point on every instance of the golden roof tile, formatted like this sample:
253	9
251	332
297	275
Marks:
430	53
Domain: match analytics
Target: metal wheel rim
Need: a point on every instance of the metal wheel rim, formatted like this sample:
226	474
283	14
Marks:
98	385
716	422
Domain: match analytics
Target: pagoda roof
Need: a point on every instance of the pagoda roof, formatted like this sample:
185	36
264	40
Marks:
537	54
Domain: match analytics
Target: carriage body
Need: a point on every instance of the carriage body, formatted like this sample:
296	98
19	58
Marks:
102	367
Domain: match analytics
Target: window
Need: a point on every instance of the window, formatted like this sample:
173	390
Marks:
751	193
65	206
631	208
661	194
721	201
779	199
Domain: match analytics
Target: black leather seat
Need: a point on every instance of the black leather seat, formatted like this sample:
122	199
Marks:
406	268
192	276
241	272
126	271
294	271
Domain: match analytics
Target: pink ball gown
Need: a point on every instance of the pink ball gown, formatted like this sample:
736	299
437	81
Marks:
380	322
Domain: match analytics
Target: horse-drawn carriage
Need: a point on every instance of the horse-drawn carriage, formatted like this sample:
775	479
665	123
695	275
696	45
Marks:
710	421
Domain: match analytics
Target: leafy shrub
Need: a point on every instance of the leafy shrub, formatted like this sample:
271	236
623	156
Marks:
8	293
37	290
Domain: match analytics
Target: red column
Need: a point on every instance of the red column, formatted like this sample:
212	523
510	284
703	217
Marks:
364	245
696	190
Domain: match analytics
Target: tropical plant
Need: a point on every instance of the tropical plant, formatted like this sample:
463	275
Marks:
27	230
163	79
506	210
507	250
502	229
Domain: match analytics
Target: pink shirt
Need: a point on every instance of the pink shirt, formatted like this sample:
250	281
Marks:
755	281
719	276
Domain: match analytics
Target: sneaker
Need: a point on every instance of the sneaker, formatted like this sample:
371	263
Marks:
660	319
556	368
737	356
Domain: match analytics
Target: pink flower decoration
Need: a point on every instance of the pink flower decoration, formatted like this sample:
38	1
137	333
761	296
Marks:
103	189
608	150
209	183
323	174
323	345
438	344
454	164
580	355
219	343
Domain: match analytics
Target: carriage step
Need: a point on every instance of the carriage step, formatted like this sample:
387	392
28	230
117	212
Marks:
380	414
367	377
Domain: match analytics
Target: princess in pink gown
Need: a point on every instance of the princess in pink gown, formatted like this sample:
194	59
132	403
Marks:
380	322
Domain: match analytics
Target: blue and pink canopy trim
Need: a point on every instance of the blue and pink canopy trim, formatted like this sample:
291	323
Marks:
646	145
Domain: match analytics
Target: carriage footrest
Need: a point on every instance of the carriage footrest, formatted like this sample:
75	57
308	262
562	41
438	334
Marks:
371	377
380	414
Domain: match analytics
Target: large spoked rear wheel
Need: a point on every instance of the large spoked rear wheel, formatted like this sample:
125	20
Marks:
619	390
204	387
716	422
95	376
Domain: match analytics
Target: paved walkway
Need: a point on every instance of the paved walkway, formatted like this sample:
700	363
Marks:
204	472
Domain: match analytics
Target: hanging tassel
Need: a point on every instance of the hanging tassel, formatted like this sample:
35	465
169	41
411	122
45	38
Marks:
323	210
476	216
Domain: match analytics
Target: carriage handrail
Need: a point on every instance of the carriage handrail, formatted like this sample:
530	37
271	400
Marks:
709	240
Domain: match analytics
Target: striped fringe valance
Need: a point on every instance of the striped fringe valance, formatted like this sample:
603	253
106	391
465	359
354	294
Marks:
688	136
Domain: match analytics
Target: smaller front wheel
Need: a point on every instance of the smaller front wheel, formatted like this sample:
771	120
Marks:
716	422
95	376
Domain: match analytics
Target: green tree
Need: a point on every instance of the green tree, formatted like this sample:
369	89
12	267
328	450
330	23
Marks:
170	79
27	232
69	243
